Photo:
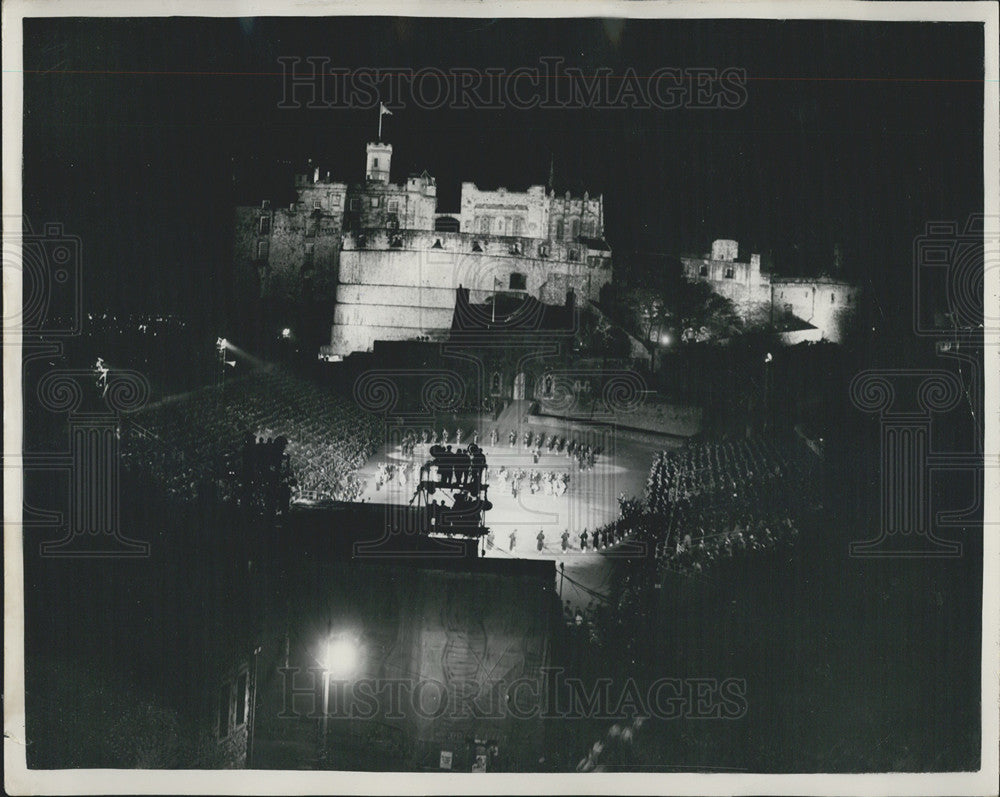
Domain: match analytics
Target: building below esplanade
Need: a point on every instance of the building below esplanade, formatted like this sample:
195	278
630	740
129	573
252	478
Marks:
803	308
397	261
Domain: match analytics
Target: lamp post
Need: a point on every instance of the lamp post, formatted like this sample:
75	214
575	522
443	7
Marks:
340	660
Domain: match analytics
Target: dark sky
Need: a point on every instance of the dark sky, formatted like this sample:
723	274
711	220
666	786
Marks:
851	133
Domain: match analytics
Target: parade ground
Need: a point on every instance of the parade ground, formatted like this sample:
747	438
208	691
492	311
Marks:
591	500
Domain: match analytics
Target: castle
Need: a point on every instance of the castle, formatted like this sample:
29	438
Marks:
393	261
397	261
799	308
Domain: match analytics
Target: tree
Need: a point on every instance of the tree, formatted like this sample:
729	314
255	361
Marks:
652	293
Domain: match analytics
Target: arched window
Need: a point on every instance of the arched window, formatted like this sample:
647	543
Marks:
703	271
575	229
560	229
729	273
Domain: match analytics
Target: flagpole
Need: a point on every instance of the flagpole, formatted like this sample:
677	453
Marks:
380	122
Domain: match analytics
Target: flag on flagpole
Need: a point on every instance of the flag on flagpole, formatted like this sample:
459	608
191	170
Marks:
382	111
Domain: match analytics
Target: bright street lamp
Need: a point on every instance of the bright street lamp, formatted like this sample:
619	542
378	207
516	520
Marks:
341	657
340	661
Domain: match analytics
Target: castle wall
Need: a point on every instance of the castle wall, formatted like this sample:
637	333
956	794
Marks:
829	305
388	293
290	248
742	283
503	212
377	205
531	213
571	217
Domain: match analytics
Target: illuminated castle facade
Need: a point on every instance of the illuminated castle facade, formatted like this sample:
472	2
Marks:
806	308
397	261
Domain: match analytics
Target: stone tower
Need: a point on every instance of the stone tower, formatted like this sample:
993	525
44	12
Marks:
379	158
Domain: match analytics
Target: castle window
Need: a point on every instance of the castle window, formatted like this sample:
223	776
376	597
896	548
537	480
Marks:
573	255
518	224
575	229
588	229
560	229
729	273
265	204
518	282
374	163
265	225
394	206
307	255
355	204
262	250
543	250
703	271
375	201
397	242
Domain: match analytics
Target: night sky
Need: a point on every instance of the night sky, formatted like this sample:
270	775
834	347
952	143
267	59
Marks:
853	134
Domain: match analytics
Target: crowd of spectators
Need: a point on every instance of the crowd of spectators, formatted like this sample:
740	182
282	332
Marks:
198	439
721	500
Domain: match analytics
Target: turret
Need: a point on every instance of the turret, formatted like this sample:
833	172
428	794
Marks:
379	158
